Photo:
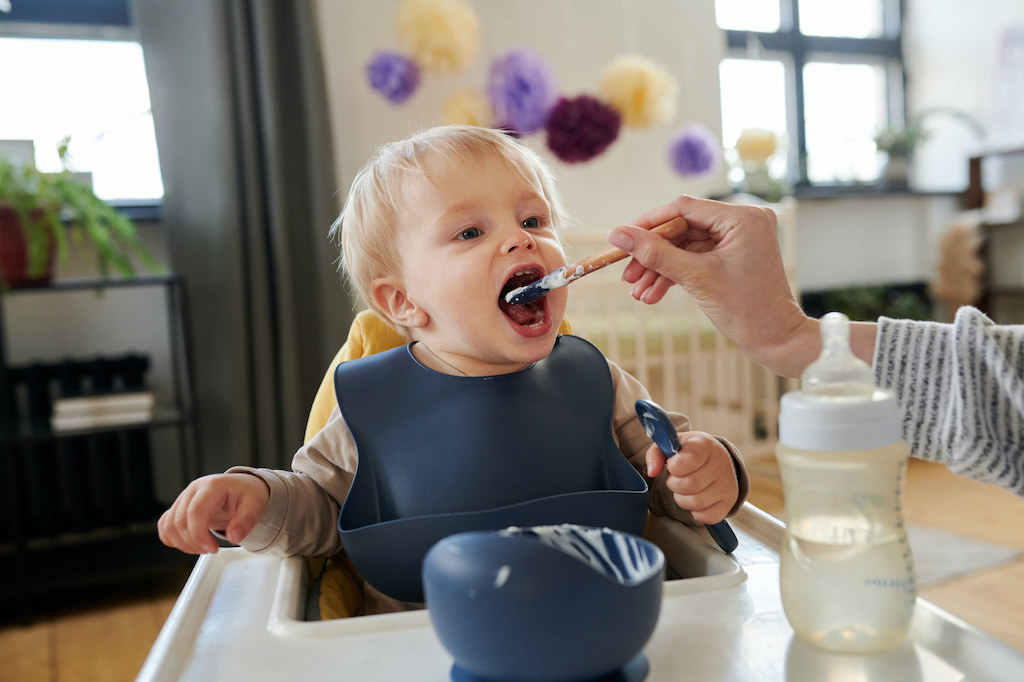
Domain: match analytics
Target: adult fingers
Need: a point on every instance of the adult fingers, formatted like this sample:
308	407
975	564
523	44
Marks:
652	252
657	216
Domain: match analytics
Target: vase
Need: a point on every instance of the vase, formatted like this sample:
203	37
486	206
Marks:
759	182
896	171
14	268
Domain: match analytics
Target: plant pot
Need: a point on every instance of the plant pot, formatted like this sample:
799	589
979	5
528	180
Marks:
896	171
14	256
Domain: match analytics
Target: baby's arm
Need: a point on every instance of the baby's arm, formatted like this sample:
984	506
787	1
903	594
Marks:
299	510
231	504
701	475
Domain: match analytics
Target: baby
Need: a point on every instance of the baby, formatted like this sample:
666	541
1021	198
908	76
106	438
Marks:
436	229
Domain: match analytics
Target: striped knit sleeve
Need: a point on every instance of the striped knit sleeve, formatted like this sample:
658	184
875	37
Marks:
961	389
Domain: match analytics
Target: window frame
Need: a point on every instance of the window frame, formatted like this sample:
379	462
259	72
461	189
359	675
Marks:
81	13
797	47
81	20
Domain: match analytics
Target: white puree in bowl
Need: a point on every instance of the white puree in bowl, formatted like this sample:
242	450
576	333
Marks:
618	556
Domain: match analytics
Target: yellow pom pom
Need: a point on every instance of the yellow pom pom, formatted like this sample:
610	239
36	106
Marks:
756	145
642	90
441	36
469	106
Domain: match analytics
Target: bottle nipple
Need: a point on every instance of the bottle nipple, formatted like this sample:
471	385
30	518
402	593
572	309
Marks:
837	373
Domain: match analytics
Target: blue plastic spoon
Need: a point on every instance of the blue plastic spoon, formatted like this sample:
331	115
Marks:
660	429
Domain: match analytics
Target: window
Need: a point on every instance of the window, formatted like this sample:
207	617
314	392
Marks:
72	69
825	76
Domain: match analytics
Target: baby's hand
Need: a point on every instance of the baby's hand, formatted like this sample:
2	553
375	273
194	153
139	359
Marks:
228	503
701	475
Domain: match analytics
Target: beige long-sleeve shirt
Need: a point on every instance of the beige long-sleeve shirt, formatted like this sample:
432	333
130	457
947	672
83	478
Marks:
304	503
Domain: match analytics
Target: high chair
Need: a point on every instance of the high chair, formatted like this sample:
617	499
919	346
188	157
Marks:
339	585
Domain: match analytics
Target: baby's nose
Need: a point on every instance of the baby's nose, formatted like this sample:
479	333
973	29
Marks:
521	240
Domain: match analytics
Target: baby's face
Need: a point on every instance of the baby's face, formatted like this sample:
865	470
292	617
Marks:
470	233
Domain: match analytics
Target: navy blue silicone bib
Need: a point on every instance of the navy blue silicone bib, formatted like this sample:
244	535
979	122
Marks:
442	454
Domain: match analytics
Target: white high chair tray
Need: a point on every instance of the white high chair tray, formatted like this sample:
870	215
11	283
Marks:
238	619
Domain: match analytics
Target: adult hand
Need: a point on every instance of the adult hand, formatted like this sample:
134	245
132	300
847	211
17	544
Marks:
729	261
228	503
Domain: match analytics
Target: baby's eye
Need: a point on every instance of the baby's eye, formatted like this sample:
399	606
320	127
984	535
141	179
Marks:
469	233
531	223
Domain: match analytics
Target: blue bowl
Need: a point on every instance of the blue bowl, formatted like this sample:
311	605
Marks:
544	604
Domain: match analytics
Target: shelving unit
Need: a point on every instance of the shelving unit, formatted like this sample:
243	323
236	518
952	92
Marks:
995	296
122	543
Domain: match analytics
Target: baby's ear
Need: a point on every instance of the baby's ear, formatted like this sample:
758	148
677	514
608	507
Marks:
399	308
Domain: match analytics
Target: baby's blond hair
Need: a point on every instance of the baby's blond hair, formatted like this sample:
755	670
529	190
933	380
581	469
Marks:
369	220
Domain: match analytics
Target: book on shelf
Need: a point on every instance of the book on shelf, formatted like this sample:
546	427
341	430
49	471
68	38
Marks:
103	404
111	409
71	422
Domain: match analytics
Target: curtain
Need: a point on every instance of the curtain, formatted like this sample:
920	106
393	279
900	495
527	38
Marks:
242	129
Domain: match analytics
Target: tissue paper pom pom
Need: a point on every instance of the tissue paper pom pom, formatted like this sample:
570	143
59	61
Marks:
522	89
468	106
694	151
393	75
581	128
756	145
441	35
642	90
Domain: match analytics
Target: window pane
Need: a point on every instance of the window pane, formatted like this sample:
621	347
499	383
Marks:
96	92
844	104
748	15
847	19
754	96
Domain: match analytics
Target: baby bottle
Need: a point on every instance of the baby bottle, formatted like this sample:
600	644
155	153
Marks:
847	574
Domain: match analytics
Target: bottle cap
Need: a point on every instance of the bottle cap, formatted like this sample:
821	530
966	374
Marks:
838	407
835	425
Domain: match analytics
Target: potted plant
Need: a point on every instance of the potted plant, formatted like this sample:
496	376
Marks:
755	148
899	145
41	214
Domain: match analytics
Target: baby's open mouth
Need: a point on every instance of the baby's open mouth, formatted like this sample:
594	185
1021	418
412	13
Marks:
525	315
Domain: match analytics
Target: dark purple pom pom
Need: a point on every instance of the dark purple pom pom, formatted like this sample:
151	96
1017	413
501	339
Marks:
581	128
393	75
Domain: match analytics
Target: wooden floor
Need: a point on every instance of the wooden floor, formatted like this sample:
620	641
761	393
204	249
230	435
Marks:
100	635
104	636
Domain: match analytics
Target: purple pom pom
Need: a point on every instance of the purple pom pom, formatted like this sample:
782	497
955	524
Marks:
694	150
522	89
581	128
393	75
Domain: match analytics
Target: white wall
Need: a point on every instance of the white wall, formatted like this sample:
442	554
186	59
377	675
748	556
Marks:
953	51
578	37
869	240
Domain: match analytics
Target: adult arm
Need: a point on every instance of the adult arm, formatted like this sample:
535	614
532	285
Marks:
961	388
